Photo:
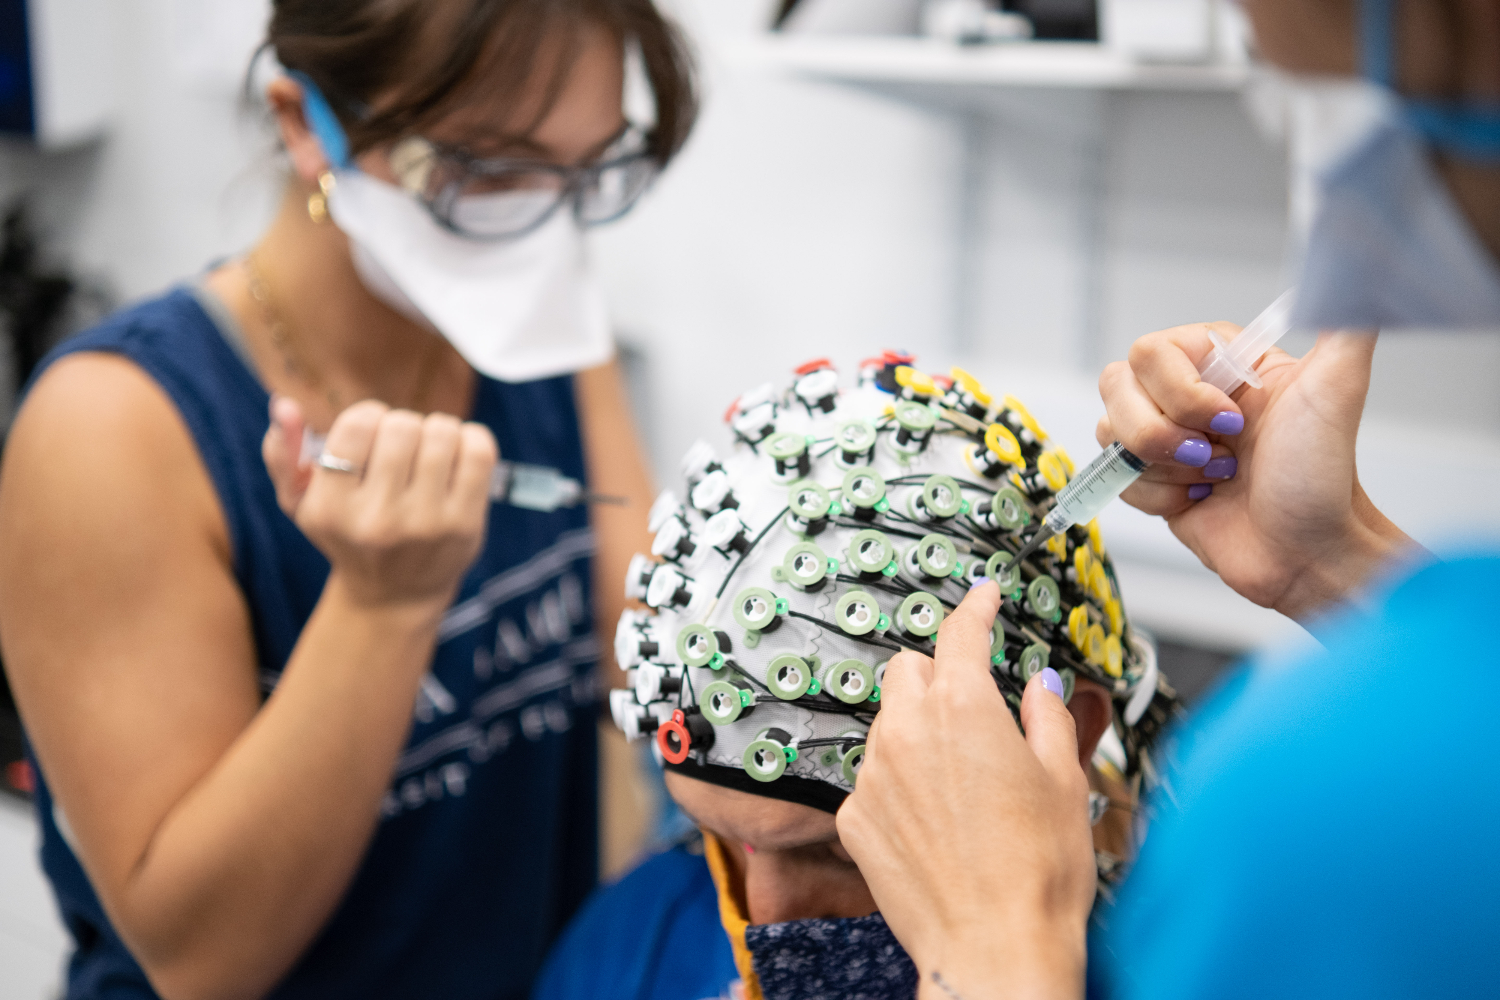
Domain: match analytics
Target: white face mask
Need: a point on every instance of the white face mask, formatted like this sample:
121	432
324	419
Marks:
1389	248
517	310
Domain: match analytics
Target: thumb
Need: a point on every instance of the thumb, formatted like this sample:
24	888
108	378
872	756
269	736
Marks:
282	451
1050	730
1336	373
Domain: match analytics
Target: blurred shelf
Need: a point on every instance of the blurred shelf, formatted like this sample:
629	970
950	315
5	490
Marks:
920	64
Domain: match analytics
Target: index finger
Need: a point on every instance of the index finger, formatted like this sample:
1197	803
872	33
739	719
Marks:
963	642
1166	363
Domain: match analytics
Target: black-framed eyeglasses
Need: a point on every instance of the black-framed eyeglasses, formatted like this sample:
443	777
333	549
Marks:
504	198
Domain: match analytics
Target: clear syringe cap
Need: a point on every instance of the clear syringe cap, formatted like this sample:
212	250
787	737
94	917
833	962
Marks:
1231	363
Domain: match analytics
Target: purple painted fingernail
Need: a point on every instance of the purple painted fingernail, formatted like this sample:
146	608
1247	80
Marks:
1227	422
1194	452
1200	491
979	581
1221	468
1052	681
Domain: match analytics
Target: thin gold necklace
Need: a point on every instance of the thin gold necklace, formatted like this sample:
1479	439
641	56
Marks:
293	358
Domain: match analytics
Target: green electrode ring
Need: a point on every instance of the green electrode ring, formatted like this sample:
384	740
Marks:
997	644
852	760
871	551
850	681
854	437
805	565
857	613
786	447
920	614
766	760
1004	570
915	417
788	677
1010	509
722	702
1069	682
808	500
698	646
1033	661
942	497
936	555
1043	597
757	609
865	488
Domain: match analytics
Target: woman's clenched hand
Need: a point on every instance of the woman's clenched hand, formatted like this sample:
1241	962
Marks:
405	526
1277	511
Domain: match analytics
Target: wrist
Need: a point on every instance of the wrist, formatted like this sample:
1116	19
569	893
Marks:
1041	962
344	594
1341	568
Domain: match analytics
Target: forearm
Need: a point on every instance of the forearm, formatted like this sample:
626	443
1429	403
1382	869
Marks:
245	870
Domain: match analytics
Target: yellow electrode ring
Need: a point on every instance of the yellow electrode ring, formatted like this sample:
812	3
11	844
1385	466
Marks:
1051	468
1116	616
1067	461
1114	657
1078	624
1003	445
1099	584
1081	564
918	382
1058	546
1096	538
971	385
1096	643
1027	420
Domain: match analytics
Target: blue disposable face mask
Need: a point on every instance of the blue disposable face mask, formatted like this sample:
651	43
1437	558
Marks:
1390	247
858	959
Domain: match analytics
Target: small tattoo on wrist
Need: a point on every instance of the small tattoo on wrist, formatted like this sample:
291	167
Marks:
942	984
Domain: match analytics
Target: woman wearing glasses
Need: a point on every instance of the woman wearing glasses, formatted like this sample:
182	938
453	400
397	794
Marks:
311	716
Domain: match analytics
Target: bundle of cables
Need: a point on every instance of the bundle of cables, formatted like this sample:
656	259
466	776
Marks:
839	530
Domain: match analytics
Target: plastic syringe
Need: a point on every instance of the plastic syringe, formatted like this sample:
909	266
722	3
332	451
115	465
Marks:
1228	366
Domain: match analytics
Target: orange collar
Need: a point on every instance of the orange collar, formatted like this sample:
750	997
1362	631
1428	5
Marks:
734	921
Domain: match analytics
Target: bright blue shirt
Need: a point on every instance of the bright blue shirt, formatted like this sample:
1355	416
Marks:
654	935
487	836
1332	819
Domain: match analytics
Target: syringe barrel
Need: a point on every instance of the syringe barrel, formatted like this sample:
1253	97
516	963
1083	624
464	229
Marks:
1095	488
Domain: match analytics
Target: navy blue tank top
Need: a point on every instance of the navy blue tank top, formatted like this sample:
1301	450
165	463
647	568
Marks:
488	836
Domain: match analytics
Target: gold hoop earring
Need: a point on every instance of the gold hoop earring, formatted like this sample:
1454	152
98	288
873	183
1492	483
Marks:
317	202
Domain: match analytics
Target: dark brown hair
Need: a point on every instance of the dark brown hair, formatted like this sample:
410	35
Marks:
432	56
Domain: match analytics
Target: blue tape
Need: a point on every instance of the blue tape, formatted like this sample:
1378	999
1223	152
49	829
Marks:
1466	130
324	123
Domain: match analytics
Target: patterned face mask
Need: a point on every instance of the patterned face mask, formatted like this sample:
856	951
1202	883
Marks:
851	959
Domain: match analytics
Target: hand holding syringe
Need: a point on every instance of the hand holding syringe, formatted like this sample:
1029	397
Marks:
1228	366
531	487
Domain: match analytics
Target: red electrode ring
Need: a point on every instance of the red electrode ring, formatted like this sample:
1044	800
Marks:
678	728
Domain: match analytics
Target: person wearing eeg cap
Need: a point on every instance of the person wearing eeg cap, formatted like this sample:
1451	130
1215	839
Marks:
838	532
1326	833
318	719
